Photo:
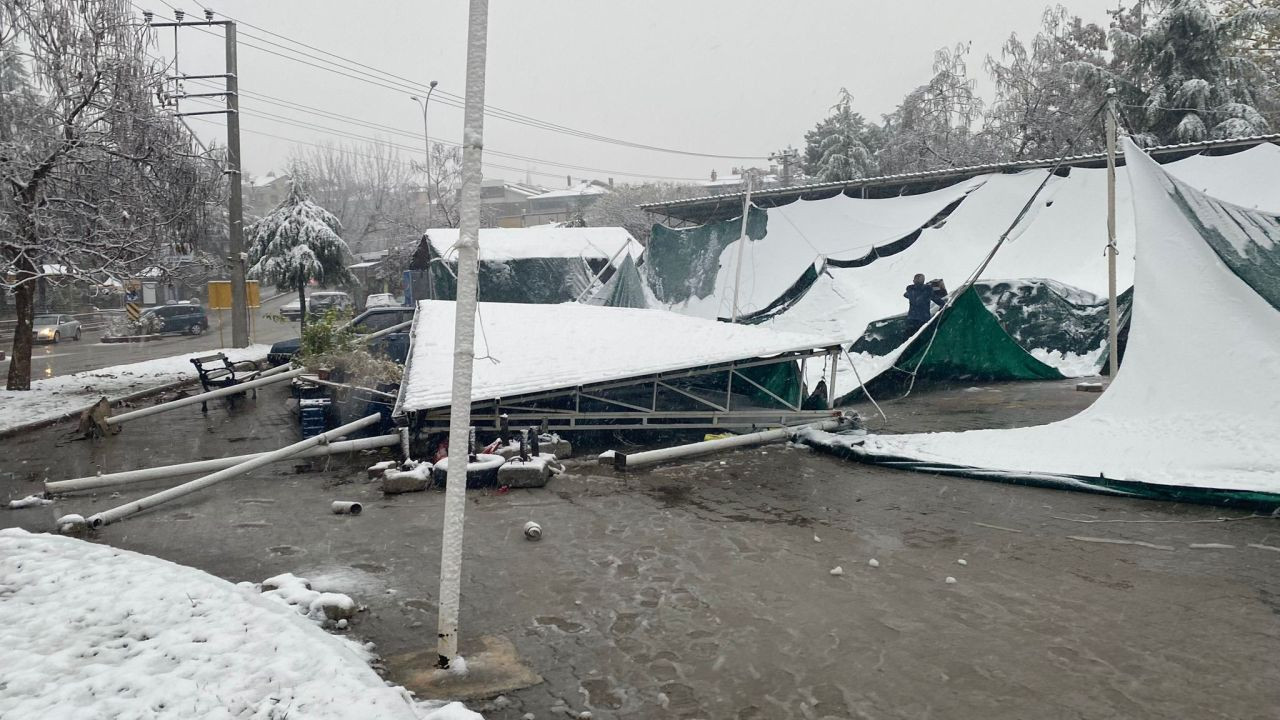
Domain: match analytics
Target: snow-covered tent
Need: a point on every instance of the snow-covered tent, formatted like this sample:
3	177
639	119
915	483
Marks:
624	368
543	264
1195	411
839	265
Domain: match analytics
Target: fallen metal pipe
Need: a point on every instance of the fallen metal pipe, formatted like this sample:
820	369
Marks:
274	375
128	477
344	507
386	331
150	501
653	457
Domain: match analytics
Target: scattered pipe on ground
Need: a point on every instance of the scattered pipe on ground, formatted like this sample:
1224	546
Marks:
128	477
274	375
533	530
343	507
117	513
349	386
653	457
386	331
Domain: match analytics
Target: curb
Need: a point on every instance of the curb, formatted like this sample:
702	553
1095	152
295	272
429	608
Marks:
110	340
115	402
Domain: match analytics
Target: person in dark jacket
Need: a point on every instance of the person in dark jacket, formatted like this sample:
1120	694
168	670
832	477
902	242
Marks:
919	295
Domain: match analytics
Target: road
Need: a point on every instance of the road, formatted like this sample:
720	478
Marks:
68	356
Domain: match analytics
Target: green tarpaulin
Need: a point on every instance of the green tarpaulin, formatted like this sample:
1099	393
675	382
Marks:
680	264
625	288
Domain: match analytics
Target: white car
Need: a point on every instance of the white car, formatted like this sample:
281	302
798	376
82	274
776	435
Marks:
381	300
52	328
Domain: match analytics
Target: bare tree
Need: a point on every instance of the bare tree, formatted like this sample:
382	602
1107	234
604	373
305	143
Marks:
445	181
96	179
368	186
618	208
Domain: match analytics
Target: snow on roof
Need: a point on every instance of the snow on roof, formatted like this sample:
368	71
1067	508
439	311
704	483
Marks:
529	343
267	181
582	188
96	631
542	241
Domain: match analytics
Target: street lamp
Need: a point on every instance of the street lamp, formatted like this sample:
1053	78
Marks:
426	139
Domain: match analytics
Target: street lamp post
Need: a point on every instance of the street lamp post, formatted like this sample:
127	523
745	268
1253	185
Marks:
426	139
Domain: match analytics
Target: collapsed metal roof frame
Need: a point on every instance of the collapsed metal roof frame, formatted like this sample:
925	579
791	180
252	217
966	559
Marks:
713	208
649	402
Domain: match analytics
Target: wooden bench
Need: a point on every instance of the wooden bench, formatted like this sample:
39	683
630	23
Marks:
216	371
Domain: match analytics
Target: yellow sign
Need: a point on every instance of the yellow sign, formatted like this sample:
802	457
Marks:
220	294
133	310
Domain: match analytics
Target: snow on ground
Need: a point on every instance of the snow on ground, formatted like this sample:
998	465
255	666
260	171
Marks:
91	631
70	394
1071	364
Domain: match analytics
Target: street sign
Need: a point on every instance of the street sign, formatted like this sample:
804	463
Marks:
252	297
134	311
219	294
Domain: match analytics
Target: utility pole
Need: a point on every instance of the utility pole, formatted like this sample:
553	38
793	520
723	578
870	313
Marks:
1113	332
426	140
235	197
742	241
787	158
464	336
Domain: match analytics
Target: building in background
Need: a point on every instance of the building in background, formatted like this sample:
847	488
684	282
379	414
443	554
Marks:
261	195
565	205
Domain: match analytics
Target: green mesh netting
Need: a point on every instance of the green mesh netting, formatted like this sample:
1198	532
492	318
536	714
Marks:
1248	241
625	288
680	264
528	280
783	302
969	345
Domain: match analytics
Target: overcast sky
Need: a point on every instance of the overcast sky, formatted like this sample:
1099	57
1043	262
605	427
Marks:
732	77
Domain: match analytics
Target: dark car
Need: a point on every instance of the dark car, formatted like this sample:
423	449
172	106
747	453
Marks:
394	346
179	318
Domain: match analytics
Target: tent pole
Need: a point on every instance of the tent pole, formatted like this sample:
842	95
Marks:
1113	331
742	242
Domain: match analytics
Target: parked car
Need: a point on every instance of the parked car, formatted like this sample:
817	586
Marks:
52	328
321	302
394	346
178	318
291	310
381	300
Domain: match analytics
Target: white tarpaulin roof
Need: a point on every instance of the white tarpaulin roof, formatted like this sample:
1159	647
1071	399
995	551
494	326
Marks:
543	241
538	348
1197	400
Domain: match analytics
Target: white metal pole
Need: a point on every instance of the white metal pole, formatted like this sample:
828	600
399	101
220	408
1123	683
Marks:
463	335
1113	331
129	477
273	375
653	457
742	243
117	513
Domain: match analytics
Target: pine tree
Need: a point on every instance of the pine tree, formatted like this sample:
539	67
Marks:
296	243
844	153
1186	75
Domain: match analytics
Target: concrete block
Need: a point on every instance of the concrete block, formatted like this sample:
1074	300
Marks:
535	472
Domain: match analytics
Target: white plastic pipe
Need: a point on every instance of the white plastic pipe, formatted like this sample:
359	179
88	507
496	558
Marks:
150	501
386	331
128	477
273	375
653	457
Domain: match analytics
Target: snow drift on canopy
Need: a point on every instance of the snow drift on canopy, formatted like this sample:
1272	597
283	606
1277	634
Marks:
1177	422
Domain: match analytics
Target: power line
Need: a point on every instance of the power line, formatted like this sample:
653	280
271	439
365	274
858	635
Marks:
262	114
290	105
449	99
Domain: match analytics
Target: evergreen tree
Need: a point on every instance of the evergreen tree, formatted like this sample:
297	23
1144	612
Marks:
844	154
296	243
1185	75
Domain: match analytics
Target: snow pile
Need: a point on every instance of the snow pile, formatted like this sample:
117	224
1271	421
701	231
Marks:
29	501
91	631
1197	401
296	592
67	395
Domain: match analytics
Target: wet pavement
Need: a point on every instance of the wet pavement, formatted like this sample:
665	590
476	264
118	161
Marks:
699	590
